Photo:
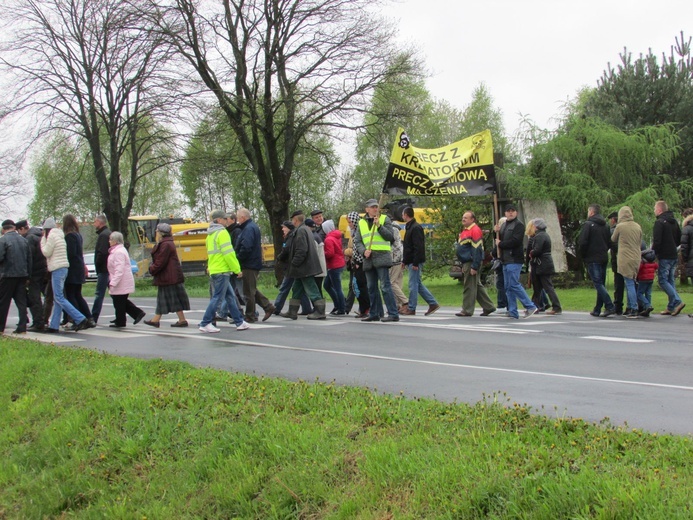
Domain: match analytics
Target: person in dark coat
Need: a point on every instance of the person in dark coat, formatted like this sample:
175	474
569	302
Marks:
542	264
38	277
304	265
594	243
249	253
76	270
168	277
15	267
512	255
687	244
288	282
619	283
100	264
666	237
414	257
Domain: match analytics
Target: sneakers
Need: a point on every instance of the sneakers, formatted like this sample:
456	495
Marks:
242	326
608	312
529	312
678	309
209	329
431	309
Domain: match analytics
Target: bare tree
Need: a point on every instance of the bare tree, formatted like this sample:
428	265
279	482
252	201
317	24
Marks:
93	68
282	70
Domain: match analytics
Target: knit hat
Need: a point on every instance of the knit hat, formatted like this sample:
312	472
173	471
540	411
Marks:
354	217
164	229
49	223
288	224
539	223
310	222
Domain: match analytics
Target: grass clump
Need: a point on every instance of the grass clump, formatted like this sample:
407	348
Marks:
88	435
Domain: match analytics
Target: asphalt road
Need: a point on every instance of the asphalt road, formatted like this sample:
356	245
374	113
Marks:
634	372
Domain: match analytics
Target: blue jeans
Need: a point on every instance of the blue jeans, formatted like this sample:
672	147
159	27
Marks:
99	294
221	290
645	294
597	273
60	303
381	274
514	290
416	288
333	286
631	293
282	295
666	276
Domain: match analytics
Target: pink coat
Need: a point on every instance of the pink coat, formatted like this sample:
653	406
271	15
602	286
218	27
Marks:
120	276
334	255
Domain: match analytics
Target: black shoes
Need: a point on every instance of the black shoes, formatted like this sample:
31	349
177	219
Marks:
140	317
371	318
608	312
390	318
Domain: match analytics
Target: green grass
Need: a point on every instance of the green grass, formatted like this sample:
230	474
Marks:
87	435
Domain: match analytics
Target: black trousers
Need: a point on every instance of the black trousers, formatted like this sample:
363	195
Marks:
619	285
37	286
13	289
73	293
123	306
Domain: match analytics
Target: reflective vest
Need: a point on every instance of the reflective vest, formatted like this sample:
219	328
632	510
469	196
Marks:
221	258
378	243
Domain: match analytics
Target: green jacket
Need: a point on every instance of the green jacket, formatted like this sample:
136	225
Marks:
221	258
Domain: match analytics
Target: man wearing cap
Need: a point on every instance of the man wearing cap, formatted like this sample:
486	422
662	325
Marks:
249	253
221	262
38	276
594	243
373	239
510	243
304	265
318	219
100	264
619	283
15	268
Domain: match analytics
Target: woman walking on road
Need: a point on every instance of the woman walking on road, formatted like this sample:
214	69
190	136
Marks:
168	279
121	282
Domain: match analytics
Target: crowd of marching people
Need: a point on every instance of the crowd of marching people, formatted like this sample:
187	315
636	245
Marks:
42	269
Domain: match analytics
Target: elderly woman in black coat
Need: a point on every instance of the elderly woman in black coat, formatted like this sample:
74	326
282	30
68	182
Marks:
542	264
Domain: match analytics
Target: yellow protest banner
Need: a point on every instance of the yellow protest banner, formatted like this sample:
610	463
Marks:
462	168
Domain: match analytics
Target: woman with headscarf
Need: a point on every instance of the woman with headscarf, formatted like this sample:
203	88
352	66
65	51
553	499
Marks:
168	277
358	288
334	259
539	295
121	283
542	265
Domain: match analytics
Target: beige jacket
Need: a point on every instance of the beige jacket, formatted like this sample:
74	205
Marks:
54	249
628	235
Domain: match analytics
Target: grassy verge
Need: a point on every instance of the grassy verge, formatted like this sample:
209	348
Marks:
87	435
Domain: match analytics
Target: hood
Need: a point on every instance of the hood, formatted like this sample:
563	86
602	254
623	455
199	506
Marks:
214	227
328	226
668	216
598	219
688	220
625	214
335	233
35	230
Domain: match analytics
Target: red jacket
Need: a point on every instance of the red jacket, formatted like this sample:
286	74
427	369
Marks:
334	255
165	267
647	271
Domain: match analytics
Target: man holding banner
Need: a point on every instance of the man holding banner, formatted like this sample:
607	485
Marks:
373	238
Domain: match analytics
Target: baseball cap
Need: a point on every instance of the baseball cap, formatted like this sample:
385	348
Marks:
315	212
217	213
310	222
371	202
510	207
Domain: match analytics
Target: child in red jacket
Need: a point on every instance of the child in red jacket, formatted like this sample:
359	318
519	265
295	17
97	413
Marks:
646	274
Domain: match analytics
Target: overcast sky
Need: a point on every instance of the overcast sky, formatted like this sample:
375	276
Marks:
533	55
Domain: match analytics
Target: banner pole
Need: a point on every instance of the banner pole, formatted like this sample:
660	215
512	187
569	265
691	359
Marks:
496	216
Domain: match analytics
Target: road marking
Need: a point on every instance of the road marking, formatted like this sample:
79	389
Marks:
478	328
619	340
215	338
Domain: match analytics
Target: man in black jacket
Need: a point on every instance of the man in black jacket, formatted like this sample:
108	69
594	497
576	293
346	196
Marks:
15	268
666	237
594	242
619	282
38	277
414	256
511	242
100	264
